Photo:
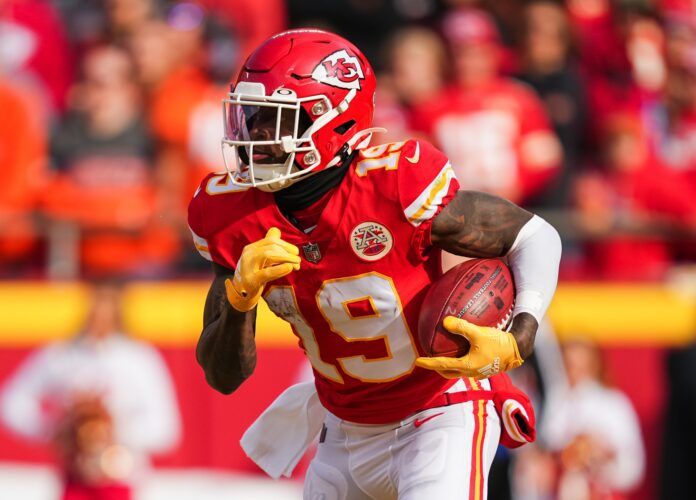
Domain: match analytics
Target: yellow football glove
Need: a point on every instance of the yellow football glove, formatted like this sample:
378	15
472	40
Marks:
492	351
264	260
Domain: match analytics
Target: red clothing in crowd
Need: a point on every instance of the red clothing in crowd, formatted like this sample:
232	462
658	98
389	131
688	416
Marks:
600	46
39	45
678	149
652	192
497	137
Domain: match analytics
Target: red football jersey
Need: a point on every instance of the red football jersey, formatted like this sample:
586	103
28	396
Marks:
355	301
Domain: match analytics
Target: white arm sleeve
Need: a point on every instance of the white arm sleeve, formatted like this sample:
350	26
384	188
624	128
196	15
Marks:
153	425
20	400
534	259
627	466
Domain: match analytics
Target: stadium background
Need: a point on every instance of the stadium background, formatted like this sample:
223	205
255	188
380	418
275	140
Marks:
68	218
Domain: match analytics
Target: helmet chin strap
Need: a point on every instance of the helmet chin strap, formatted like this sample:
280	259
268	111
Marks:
311	188
360	140
367	133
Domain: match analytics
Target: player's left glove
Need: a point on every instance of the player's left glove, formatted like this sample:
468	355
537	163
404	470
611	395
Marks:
492	351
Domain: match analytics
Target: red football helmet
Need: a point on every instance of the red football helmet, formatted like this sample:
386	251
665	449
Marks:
302	99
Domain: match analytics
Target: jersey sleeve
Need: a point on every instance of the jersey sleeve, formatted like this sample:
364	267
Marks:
195	222
426	185
205	219
426	182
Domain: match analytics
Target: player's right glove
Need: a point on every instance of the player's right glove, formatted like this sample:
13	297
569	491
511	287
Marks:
264	260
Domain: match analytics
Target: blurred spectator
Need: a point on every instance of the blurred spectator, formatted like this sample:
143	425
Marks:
33	46
170	60
22	168
645	49
251	22
416	64
84	22
587	60
102	153
546	67
674	120
621	52
104	401
125	17
600	47
594	431
367	23
517	474
631	205
494	130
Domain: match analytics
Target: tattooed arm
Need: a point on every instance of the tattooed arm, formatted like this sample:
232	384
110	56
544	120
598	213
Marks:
476	224
226	349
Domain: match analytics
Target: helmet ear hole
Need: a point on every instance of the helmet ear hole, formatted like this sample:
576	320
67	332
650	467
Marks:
344	127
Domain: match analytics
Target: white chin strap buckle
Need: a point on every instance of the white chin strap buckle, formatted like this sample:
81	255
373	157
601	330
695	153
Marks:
287	142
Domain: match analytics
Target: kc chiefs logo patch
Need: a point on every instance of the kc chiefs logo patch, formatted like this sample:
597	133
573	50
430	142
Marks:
339	69
371	241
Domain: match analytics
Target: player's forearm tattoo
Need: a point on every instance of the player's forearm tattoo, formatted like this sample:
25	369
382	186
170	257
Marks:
477	224
226	349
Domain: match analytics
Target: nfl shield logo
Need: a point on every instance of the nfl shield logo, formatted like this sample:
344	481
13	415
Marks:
312	252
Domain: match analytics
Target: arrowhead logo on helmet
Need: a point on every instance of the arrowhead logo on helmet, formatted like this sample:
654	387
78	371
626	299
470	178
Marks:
339	69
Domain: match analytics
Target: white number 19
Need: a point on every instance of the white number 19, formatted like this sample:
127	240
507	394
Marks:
359	308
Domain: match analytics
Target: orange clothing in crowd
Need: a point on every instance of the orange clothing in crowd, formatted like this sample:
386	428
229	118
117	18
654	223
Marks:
173	107
105	186
173	101
118	234
22	163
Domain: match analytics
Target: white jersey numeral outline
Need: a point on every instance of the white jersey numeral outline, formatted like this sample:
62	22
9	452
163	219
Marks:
282	301
386	322
222	184
384	156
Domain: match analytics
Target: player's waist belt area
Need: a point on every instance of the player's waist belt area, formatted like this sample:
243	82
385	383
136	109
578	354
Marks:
453	398
277	451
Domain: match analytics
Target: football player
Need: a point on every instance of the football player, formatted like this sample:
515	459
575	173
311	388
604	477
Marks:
342	240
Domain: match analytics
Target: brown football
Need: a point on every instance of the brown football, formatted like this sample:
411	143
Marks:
480	291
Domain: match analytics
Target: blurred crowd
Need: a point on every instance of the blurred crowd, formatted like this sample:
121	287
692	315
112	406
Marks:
110	114
584	110
103	401
590	445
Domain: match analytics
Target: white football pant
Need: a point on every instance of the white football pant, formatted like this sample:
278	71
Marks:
440	453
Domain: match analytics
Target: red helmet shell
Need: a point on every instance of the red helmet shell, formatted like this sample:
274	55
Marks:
312	62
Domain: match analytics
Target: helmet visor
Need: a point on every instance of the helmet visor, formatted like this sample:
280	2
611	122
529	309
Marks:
258	131
262	136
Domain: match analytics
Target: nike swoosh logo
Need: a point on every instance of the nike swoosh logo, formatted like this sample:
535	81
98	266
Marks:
417	423
416	154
